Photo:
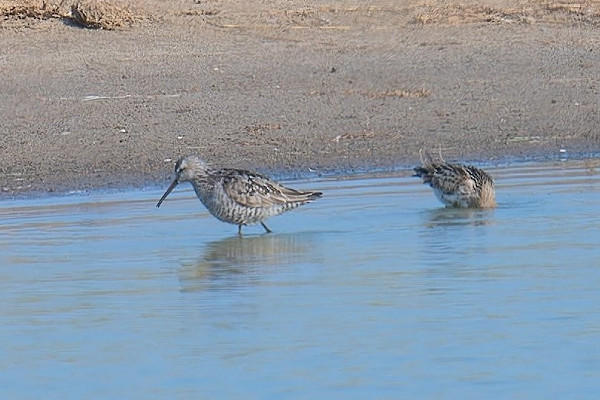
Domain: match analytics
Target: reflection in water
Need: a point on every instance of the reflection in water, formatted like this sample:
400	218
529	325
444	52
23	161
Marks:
454	235
459	216
236	260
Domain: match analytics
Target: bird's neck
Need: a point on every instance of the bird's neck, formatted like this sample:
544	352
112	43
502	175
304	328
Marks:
203	186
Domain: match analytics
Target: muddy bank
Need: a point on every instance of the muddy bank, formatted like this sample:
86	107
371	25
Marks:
293	89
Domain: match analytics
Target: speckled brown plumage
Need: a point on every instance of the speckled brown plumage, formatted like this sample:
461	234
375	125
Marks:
237	196
457	185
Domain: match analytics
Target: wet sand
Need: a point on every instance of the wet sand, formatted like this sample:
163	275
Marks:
290	89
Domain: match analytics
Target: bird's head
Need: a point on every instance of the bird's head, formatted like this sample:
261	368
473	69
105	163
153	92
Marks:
186	169
190	167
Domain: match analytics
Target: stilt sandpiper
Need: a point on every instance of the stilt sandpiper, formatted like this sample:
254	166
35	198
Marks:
237	196
457	185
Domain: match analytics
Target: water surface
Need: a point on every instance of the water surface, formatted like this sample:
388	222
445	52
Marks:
373	292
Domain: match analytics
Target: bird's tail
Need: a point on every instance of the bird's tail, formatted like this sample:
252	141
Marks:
314	195
301	197
298	198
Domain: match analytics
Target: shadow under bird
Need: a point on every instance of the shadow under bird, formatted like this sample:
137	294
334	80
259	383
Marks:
457	185
237	196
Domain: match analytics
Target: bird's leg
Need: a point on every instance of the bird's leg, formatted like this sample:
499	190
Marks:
240	230
266	227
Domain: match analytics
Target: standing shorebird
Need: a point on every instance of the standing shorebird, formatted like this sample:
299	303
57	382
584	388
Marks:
457	185
236	196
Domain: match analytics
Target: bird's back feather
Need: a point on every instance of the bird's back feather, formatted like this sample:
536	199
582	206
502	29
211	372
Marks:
250	189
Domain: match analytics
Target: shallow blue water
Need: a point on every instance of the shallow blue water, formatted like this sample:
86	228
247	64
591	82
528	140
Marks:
373	292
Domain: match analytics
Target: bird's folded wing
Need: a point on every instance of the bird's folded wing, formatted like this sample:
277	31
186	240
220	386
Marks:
253	190
451	178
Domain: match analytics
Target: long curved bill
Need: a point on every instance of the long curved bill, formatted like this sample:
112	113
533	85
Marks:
169	190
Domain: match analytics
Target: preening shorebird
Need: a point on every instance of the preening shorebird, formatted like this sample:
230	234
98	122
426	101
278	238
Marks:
237	196
457	185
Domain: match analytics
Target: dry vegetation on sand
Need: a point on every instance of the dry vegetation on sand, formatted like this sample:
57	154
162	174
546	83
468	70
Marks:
115	14
91	14
517	12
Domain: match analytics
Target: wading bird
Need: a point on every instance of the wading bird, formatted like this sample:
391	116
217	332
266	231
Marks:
237	196
457	185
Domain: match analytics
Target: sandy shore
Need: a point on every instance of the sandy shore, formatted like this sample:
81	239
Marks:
289	88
